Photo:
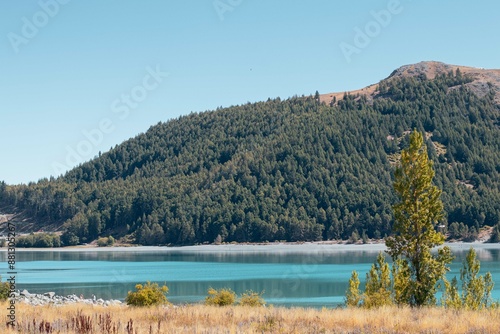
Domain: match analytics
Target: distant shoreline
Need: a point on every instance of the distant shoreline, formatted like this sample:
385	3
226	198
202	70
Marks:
281	247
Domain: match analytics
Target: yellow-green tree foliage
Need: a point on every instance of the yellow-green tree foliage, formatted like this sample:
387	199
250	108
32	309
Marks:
401	274
353	296
147	295
451	296
414	234
221	297
378	288
415	270
102	242
476	290
251	298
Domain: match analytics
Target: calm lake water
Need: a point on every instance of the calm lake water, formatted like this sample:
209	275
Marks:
302	275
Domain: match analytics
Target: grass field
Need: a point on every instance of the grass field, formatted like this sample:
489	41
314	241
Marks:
237	319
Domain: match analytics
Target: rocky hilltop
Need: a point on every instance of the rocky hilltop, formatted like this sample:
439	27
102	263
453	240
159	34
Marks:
483	79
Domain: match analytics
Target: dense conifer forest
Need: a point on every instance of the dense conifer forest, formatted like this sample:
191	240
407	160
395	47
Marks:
294	170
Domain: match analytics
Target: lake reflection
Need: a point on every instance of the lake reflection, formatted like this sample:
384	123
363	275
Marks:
293	276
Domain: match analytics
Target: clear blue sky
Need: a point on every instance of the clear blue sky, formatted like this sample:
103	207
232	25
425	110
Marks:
76	66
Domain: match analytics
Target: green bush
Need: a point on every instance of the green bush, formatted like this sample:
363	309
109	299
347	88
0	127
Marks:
221	297
4	290
251	298
147	295
69	239
39	240
104	242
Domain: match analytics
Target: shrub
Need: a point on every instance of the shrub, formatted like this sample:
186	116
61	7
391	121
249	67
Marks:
221	297
39	240
69	239
4	290
147	295
104	242
251	298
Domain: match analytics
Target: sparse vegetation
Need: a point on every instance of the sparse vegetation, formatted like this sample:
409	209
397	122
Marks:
147	295
79	319
251	298
226	297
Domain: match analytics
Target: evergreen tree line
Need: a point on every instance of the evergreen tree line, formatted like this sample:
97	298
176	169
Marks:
293	170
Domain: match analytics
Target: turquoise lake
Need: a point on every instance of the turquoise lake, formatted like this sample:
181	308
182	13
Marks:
290	275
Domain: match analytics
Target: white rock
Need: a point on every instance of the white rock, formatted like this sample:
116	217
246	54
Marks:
49	294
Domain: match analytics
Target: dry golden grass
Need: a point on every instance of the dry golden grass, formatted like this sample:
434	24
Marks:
237	319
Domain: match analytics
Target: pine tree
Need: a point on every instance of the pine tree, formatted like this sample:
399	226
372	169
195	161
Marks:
495	236
416	215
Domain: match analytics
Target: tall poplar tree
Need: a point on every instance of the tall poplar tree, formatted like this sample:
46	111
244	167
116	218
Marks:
414	232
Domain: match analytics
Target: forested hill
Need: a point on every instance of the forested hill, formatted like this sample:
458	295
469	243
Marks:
305	168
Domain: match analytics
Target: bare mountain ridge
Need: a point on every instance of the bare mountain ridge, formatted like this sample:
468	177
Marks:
484	79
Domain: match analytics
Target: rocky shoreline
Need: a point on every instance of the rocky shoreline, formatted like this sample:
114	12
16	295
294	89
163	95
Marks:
50	298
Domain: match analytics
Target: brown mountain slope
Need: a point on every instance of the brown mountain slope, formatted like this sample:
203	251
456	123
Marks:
483	79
